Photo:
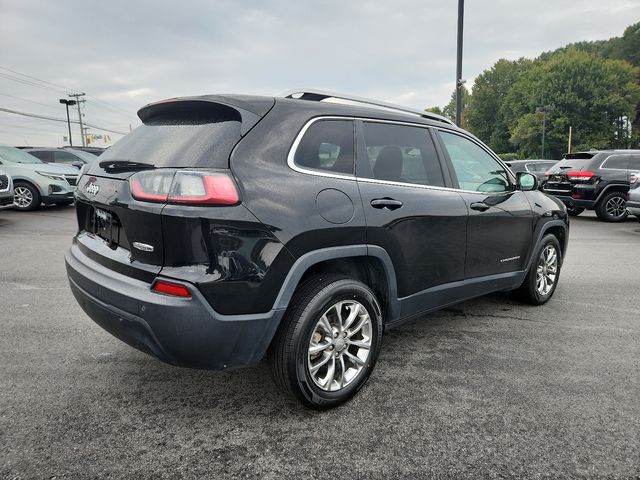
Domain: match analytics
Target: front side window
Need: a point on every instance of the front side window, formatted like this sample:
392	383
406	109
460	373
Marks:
476	170
327	145
401	153
619	162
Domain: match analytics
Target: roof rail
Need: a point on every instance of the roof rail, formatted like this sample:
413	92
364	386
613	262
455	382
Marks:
319	95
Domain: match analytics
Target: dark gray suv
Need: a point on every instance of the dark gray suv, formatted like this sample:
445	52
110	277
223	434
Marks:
596	180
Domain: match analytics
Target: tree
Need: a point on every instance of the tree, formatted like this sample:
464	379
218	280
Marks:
592	94
437	110
449	110
484	117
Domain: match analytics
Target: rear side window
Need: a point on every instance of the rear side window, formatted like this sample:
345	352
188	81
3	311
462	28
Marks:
401	153
634	163
620	162
327	145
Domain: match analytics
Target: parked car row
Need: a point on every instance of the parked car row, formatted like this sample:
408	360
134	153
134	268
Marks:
35	182
67	156
599	180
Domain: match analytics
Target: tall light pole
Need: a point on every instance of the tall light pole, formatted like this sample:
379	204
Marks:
66	104
544	110
459	81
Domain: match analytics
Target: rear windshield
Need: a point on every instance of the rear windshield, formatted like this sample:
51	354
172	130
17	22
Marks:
178	145
576	164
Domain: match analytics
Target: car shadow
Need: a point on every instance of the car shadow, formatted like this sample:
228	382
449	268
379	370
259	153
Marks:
136	378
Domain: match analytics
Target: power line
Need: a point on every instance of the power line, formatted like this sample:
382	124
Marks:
29	83
30	101
37	79
54	119
58	88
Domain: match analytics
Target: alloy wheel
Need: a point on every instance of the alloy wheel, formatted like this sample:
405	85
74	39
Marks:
547	271
22	197
616	207
340	345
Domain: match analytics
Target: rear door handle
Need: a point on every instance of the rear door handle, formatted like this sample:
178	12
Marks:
480	206
388	203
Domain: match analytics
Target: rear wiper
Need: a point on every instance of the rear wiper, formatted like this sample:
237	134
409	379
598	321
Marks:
124	165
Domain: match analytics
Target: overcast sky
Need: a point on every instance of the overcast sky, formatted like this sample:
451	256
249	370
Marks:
128	53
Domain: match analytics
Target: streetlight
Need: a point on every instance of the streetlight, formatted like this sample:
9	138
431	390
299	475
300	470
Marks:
544	110
67	103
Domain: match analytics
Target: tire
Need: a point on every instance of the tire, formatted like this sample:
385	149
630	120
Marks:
532	291
612	208
26	196
575	211
337	376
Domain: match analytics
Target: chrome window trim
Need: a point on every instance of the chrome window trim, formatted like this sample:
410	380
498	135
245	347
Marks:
320	173
309	171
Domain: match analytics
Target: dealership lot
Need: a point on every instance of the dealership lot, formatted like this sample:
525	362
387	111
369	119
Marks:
490	387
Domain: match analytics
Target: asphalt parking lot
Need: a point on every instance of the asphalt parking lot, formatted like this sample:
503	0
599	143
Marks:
490	388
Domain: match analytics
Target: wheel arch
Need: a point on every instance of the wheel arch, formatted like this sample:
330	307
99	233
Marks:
558	229
367	263
20	179
615	187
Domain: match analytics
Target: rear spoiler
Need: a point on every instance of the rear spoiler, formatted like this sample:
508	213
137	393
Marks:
207	109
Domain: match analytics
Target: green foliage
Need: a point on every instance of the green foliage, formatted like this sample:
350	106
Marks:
591	94
484	116
449	110
437	110
594	87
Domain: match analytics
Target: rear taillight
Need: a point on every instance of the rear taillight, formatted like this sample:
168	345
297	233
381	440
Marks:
577	175
170	288
187	187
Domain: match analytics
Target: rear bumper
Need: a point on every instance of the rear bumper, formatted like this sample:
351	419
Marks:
183	332
572	202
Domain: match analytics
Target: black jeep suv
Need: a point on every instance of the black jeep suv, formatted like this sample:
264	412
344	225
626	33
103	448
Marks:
231	228
594	180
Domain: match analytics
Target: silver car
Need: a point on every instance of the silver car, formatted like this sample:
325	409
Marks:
633	201
6	190
36	182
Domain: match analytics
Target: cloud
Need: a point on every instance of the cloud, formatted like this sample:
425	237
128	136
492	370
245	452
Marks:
126	54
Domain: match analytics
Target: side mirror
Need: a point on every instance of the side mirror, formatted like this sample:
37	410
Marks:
527	181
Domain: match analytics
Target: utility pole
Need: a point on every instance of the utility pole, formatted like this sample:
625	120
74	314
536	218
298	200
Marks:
80	101
459	81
